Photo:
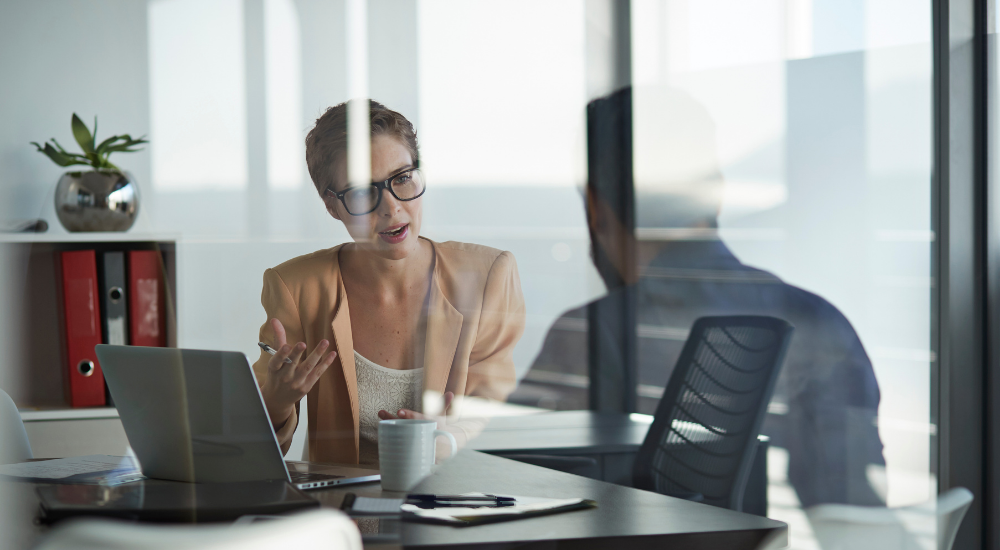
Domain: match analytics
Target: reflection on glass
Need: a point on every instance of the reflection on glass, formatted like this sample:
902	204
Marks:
827	384
781	166
786	173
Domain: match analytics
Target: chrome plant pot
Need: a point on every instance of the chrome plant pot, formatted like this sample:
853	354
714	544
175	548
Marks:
97	201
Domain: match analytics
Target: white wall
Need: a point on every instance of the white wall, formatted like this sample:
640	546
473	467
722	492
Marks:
58	57
62	56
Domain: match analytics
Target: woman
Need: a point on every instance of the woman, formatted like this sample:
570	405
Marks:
391	324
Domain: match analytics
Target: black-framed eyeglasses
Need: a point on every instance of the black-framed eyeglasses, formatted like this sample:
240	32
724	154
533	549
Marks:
405	186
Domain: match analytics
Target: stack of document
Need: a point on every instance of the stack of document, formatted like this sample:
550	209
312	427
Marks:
522	508
92	469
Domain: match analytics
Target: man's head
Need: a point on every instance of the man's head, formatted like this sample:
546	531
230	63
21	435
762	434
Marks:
662	142
674	166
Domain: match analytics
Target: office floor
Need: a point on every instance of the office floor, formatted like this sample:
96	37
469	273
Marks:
783	504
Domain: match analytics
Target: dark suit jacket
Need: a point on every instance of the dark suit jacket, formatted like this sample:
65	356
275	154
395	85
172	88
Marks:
825	405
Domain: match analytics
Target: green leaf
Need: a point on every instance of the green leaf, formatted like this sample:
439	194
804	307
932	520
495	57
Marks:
82	135
60	158
134	141
102	148
59	146
122	143
124	147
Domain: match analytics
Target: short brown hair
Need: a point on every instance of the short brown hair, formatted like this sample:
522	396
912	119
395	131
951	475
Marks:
326	144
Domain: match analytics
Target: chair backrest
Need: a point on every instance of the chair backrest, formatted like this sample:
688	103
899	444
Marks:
317	530
704	434
927	526
14	446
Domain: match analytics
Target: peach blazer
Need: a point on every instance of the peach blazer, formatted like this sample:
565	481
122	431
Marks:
474	317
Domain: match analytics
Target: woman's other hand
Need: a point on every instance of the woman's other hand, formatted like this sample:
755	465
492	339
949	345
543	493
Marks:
407	414
287	383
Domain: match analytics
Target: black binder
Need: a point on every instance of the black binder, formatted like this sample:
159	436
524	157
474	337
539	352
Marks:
114	308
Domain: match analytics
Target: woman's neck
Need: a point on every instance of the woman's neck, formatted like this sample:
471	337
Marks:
389	279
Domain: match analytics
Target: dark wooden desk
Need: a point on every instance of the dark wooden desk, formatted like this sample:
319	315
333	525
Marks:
613	439
624	515
564	433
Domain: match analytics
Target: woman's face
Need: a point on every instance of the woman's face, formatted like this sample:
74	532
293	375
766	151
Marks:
391	230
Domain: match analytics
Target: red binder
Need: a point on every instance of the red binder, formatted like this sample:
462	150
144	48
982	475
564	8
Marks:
146	299
82	327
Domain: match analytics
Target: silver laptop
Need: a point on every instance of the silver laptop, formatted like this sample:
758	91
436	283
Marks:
194	415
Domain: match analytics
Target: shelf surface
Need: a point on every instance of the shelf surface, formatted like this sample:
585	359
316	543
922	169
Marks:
84	413
87	237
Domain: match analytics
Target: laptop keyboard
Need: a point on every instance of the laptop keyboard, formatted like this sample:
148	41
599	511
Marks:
306	477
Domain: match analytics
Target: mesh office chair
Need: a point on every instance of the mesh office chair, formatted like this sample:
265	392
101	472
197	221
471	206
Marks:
702	441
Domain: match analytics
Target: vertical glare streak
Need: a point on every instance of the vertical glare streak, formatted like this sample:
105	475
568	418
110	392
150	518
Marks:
283	69
798	29
358	130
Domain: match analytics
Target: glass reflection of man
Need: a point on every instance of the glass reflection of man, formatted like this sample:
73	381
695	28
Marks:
827	388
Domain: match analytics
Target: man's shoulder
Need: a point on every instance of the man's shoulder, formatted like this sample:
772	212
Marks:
809	303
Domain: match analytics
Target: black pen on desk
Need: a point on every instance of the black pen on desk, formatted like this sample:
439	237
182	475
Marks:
272	351
432	504
459	498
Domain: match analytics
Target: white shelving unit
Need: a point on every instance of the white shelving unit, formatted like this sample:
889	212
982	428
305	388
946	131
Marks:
94	237
89	413
32	313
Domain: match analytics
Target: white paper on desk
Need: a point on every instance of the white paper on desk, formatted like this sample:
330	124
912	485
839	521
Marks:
523	506
62	468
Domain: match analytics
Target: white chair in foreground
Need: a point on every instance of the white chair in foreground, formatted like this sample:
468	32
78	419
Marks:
317	530
928	526
14	446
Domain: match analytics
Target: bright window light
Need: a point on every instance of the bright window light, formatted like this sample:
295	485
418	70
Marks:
285	125
502	92
198	136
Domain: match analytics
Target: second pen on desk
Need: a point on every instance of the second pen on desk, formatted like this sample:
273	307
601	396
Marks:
460	500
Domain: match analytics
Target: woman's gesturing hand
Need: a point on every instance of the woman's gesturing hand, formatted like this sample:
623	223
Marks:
287	383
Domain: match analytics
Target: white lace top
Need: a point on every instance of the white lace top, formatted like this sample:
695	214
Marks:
382	389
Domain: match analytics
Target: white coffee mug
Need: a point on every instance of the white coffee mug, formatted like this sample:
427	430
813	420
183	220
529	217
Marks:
406	451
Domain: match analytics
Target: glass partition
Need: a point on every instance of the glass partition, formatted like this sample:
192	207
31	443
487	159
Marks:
782	167
777	158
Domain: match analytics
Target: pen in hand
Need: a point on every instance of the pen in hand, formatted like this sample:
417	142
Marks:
272	351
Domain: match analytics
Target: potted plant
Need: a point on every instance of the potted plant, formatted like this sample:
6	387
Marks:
104	198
